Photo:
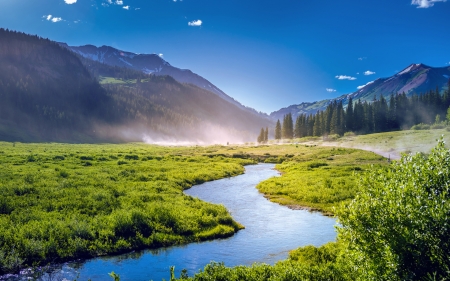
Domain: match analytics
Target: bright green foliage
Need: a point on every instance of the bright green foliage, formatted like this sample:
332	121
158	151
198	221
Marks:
60	202
319	177
307	263
397	228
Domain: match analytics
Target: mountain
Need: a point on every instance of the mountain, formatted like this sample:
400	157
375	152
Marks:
48	93
414	79
149	64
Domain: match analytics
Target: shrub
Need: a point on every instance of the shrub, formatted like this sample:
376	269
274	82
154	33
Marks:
131	157
397	226
420	126
86	158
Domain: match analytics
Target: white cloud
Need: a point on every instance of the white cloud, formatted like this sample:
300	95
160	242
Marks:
425	3
330	90
357	73
119	2
345	77
52	19
70	1
195	23
160	55
137	9
360	87
362	58
126	7
368	72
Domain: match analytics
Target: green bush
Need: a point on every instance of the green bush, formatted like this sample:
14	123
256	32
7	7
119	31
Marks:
421	126
397	226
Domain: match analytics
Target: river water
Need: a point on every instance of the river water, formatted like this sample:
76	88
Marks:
271	231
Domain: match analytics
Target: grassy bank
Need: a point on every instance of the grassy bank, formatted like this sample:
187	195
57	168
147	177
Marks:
313	177
60	202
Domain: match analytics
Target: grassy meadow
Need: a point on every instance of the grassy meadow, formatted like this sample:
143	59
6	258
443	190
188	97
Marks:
61	201
66	201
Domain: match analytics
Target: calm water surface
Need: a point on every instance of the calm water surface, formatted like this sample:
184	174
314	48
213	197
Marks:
270	232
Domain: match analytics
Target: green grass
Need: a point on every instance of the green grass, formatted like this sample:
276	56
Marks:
65	201
393	144
60	201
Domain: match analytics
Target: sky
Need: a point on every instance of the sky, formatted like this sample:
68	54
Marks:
266	54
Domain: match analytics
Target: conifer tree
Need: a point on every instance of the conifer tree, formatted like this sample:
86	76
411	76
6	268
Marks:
278	130
261	136
266	135
349	115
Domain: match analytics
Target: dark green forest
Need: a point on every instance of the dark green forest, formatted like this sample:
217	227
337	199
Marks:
381	115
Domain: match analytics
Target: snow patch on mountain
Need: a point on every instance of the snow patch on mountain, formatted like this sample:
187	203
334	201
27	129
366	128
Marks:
406	70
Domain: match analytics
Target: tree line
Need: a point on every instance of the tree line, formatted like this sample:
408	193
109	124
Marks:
380	115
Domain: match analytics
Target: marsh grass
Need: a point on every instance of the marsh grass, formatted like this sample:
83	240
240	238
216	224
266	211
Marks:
60	201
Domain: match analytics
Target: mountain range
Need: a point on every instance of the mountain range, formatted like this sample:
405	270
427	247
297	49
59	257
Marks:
414	79
50	93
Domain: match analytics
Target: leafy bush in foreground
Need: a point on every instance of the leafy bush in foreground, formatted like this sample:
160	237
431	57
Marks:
397	228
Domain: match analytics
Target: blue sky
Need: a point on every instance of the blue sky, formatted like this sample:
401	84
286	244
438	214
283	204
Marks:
265	54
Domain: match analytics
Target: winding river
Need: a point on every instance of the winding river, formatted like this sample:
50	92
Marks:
271	231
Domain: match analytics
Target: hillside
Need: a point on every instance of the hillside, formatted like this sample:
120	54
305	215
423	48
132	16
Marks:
151	64
50	94
414	79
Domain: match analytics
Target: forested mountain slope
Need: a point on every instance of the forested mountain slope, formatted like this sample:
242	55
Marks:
414	79
50	94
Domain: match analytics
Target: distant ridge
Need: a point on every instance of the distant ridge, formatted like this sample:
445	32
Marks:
151	64
414	79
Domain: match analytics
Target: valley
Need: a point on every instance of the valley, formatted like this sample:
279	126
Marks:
115	164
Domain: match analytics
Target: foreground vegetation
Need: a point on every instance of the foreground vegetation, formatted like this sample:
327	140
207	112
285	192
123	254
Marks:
61	202
395	229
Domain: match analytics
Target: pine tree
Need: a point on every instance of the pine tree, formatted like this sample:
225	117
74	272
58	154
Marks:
349	115
278	130
261	136
288	127
266	135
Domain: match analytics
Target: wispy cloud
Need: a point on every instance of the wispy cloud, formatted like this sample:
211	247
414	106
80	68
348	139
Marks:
70	1
368	72
425	3
345	77
195	23
119	2
329	90
52	19
126	7
360	87
362	58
